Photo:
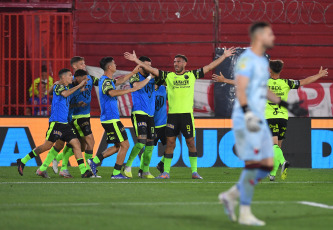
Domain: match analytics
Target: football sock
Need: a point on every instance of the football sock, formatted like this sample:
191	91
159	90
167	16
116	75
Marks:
162	160
49	158
98	158
60	155
246	185
278	159
194	161
82	167
135	151
116	170
28	157
68	152
88	155
147	156
167	162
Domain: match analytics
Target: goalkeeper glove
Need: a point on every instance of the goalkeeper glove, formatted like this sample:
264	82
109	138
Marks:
252	121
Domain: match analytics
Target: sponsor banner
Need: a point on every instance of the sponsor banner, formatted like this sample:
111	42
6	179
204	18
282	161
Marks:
309	142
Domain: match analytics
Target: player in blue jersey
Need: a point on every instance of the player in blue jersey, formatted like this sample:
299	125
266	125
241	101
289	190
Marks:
58	126
160	118
115	131
252	134
143	122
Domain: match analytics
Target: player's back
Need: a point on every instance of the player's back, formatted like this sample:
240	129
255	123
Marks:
160	115
108	104
256	69
60	105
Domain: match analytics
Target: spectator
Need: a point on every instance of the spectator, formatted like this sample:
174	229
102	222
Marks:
37	101
48	80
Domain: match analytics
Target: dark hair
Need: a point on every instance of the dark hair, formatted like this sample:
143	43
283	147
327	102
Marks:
276	65
181	56
44	69
256	26
80	73
144	58
76	59
63	71
105	61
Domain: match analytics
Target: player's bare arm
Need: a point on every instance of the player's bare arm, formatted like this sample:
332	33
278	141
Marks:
133	57
122	80
140	85
69	92
322	73
222	79
227	53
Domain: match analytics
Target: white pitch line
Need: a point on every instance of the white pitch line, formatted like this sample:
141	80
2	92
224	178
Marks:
314	204
158	182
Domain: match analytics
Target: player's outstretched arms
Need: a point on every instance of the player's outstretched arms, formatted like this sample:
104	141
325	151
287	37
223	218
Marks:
69	92
139	85
295	108
122	80
322	73
222	79
133	57
227	53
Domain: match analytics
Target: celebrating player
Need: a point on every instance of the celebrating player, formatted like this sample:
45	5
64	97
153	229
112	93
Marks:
180	95
114	129
252	135
143	121
58	126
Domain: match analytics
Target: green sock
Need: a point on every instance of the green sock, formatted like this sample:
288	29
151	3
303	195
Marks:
135	151
98	158
49	158
82	167
60	155
68	152
28	157
194	163
162	159
167	162
147	157
88	155
278	159
116	170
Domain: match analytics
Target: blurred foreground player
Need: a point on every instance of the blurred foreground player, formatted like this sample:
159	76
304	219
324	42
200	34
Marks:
252	135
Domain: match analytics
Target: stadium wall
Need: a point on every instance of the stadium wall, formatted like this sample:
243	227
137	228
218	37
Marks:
309	142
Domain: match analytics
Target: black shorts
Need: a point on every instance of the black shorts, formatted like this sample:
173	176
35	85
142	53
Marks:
60	131
82	126
143	125
180	122
278	127
115	132
160	135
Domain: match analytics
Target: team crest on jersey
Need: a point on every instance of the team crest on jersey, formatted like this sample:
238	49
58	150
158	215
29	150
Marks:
186	76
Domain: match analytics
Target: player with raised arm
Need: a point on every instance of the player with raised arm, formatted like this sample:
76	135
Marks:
277	116
181	98
143	122
58	125
113	127
252	135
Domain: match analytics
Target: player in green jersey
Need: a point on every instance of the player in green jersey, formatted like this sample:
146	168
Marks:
180	94
277	116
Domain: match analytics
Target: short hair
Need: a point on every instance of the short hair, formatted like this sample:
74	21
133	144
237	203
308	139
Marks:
257	26
80	73
44	69
181	56
144	58
63	71
103	63
276	66
76	59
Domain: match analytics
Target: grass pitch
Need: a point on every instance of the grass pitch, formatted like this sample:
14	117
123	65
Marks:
31	202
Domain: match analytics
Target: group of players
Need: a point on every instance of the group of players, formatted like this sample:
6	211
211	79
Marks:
258	124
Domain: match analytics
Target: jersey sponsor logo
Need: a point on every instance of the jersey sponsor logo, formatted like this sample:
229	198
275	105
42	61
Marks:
159	102
149	89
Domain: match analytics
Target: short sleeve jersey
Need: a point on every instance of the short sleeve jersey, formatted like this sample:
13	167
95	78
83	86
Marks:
85	96
109	105
255	68
281	88
180	89
60	105
160	115
143	99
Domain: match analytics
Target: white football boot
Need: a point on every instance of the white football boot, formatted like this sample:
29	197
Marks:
247	218
229	201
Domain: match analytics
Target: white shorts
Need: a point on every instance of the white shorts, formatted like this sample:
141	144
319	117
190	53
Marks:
254	146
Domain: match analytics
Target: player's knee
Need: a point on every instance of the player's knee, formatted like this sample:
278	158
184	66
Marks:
59	145
190	142
125	144
75	143
171	143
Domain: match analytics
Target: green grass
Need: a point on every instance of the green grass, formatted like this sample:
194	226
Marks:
178	203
